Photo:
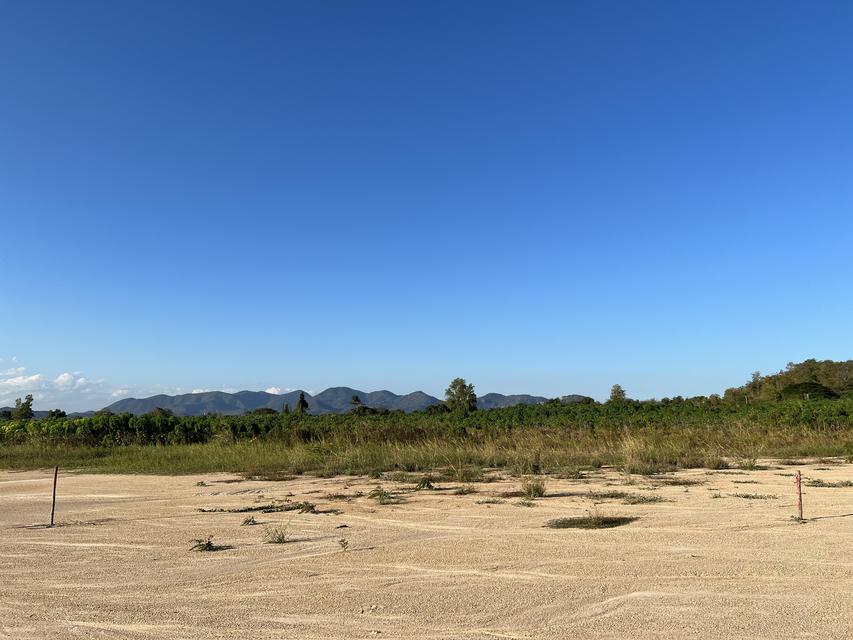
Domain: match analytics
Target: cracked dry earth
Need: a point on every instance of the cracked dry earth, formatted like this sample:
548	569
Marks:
701	563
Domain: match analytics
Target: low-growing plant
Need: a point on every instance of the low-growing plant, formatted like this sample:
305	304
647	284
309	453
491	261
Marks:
593	520
638	498
677	482
268	476
489	501
382	496
201	483
301	507
277	535
525	503
817	482
248	522
608	495
715	461
464	490
343	543
750	464
397	476
424	483
754	496
204	544
532	488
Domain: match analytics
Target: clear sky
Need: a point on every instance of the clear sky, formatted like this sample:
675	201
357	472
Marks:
540	197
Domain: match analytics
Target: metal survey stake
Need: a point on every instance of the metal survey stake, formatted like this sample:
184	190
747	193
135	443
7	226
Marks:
798	481
53	504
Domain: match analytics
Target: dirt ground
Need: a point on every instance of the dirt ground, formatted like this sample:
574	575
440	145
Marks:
702	563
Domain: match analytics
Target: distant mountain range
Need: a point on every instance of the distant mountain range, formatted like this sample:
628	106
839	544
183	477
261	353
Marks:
333	400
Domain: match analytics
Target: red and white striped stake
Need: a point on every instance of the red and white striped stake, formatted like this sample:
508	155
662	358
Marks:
799	483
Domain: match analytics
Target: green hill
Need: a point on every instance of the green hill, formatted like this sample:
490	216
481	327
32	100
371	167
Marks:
810	379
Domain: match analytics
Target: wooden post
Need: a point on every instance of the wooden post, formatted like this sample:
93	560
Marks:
53	504
798	480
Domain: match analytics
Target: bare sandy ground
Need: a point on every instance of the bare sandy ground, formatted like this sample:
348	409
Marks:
702	564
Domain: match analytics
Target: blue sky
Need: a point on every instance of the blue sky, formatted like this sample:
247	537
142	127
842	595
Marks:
540	197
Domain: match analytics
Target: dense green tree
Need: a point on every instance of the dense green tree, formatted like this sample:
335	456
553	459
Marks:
302	404
460	396
23	410
285	408
355	403
809	391
56	413
263	411
617	393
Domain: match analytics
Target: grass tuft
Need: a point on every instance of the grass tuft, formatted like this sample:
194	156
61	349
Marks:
590	521
205	544
277	535
382	496
817	482
424	483
533	488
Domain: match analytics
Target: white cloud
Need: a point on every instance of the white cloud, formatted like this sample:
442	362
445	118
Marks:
64	381
72	391
21	382
69	391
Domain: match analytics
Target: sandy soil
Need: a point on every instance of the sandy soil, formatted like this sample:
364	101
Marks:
701	564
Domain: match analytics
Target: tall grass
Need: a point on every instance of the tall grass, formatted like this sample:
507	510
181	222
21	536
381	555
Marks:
554	450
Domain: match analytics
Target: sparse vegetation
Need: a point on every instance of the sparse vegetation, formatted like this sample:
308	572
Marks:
277	535
678	482
343	496
205	544
593	520
532	488
637	498
464	490
489	501
626	497
248	522
817	482
754	496
382	496
273	507
608	495
748	464
525	503
424	483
